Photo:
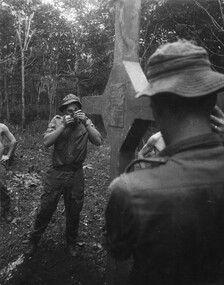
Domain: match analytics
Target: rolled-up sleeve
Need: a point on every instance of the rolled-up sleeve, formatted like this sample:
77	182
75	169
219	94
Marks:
121	222
54	123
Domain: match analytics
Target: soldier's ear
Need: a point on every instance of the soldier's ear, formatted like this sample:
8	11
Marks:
156	110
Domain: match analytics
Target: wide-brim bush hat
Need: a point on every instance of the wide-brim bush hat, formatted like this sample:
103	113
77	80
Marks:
181	68
68	99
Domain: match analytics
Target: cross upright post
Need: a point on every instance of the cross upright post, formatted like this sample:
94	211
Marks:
125	118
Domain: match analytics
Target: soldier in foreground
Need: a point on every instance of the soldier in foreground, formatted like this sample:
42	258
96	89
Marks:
69	134
169	217
5	201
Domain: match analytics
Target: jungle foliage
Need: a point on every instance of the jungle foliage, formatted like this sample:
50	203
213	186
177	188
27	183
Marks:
67	46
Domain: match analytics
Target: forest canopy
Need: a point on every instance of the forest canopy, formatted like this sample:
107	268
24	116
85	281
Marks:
48	49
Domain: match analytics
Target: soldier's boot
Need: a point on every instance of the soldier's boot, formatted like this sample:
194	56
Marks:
7	215
31	248
71	250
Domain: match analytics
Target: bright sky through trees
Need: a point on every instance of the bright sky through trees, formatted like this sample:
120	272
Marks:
70	14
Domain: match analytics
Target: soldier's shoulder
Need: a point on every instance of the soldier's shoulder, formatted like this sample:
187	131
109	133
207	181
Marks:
3	129
54	123
3	126
119	187
150	162
58	117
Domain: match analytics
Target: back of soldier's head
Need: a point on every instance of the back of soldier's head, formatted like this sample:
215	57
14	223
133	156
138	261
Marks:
178	106
181	80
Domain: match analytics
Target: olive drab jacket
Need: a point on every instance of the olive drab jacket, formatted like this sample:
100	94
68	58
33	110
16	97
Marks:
170	217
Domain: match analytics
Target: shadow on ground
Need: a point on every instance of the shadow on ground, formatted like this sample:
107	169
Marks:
55	267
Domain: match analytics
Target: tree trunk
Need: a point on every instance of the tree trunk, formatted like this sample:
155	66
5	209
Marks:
23	89
1	104
52	103
38	103
52	95
6	97
78	89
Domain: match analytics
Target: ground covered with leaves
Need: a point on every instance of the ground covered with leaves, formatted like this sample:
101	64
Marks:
51	264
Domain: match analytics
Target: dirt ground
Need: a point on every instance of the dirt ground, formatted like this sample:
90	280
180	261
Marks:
51	265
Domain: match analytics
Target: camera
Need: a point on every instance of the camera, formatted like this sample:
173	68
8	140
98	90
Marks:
74	115
75	119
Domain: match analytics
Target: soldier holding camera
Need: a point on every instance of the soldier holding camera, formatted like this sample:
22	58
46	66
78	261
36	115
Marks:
69	135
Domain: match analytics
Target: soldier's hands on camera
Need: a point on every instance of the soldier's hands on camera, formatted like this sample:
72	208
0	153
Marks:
76	116
67	120
81	116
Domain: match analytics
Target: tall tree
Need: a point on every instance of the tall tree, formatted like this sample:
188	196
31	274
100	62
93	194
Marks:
7	54
24	34
92	25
